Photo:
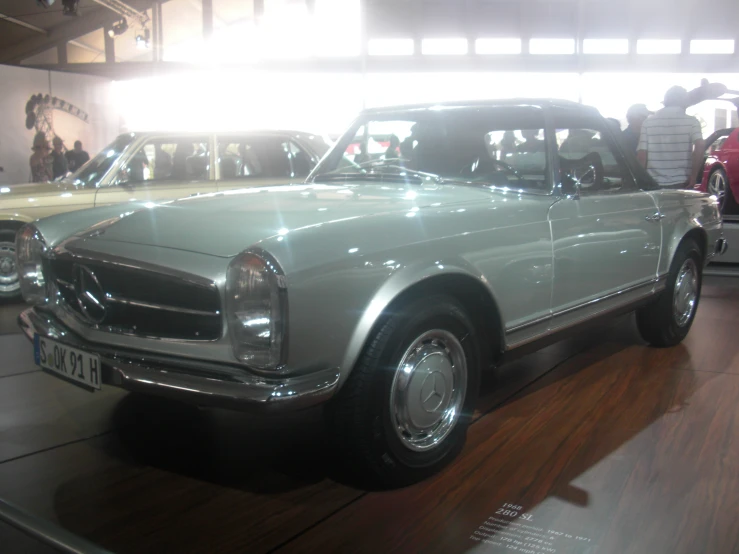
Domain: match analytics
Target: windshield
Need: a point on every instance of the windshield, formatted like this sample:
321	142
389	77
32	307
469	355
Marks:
90	174
499	146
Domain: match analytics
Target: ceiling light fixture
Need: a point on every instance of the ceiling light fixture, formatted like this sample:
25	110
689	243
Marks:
143	39
118	28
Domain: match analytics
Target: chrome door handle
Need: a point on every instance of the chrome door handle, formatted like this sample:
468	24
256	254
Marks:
656	217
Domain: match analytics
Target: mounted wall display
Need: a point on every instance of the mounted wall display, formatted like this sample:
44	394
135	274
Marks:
70	106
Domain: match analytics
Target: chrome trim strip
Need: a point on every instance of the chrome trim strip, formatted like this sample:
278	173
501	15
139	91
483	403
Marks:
46	532
610	296
191	381
64	283
575	322
651	282
528	324
162	307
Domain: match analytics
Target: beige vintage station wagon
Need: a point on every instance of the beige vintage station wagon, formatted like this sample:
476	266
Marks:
151	167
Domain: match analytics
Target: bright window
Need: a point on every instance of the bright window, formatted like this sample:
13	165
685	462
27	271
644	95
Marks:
498	46
605	46
390	47
659	46
561	46
711	46
444	46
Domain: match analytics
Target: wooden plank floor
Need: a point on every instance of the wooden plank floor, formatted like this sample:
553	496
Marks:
600	444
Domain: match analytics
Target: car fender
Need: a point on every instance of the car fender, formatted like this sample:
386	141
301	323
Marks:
14	219
711	166
686	214
399	283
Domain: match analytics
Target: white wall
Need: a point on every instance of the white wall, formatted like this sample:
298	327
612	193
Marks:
91	94
94	95
17	84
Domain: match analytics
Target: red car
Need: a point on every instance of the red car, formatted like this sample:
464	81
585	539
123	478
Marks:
721	169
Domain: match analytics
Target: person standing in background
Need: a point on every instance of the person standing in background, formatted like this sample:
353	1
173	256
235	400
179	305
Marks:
76	158
635	117
671	143
59	166
40	161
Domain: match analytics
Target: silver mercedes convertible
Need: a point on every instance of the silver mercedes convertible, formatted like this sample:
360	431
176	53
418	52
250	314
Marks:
429	243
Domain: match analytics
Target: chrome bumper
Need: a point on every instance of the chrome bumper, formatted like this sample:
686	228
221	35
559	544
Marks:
213	385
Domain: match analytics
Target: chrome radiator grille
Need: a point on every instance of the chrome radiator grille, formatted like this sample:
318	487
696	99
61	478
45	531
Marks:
124	299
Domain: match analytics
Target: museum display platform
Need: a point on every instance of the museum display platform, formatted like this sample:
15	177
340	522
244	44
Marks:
595	444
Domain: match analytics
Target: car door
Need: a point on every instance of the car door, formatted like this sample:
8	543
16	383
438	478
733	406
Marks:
606	232
162	168
255	160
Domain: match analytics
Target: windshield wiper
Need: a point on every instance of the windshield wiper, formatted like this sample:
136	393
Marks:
378	176
401	172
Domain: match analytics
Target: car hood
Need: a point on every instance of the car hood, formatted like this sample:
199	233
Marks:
226	223
16	196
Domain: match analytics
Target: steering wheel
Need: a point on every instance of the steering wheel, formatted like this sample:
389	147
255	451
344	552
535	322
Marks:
507	169
582	170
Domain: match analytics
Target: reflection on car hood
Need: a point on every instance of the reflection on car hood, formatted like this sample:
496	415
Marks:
224	224
16	196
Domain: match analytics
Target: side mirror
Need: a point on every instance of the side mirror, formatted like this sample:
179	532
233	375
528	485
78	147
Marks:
123	178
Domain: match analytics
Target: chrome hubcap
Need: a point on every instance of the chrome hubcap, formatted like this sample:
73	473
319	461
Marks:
8	272
428	390
686	292
717	187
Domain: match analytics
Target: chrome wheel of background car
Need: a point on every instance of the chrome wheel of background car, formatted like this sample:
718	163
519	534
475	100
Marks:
717	186
686	292
8	272
428	390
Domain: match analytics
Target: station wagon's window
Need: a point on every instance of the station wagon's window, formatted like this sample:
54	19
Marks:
588	156
503	147
262	157
169	159
90	174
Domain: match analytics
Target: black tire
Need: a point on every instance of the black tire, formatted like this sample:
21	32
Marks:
360	419
657	322
9	286
728	203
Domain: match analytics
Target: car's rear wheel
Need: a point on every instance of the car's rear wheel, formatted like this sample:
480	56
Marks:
10	288
404	411
667	320
718	185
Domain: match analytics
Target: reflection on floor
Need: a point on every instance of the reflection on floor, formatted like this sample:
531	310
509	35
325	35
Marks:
8	316
598	444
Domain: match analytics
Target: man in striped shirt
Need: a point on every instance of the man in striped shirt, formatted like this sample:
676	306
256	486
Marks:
671	144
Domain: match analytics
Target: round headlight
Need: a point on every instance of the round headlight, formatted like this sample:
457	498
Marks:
256	308
29	249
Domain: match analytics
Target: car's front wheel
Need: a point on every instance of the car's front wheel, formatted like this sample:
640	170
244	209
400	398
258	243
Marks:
10	288
666	321
404	411
718	185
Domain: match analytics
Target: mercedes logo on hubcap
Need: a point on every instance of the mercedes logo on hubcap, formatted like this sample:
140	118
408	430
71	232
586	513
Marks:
6	265
432	391
90	295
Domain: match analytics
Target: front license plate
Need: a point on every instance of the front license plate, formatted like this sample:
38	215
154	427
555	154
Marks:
73	365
